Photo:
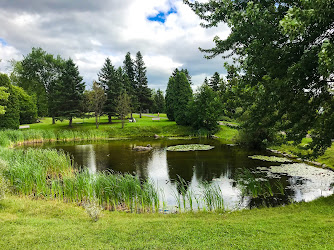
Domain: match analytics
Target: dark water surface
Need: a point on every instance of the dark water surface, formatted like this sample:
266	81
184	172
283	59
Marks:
223	166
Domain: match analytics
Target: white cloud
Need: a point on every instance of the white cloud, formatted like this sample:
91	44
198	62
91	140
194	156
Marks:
7	53
94	30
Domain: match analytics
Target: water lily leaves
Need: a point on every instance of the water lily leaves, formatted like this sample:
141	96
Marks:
270	158
189	147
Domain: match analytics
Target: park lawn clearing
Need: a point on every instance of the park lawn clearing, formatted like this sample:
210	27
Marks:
42	224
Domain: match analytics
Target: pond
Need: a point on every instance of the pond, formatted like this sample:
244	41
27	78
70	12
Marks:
243	181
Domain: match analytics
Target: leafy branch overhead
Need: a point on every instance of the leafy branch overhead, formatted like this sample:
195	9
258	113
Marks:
284	52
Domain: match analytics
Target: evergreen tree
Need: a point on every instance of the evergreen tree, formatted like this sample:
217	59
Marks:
131	86
3	97
11	118
178	95
143	92
205	109
106	77
160	101
214	82
70	91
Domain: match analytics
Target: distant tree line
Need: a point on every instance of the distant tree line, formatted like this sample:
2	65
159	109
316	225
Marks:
46	85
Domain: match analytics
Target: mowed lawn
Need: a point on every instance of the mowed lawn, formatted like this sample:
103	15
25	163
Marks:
144	126
41	224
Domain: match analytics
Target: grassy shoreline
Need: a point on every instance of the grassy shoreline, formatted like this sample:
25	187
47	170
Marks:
53	224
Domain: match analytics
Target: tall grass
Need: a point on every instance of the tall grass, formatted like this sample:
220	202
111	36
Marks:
50	174
12	137
253	186
210	197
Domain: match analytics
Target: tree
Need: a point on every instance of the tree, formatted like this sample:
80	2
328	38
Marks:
178	94
11	118
69	90
143	92
3	97
97	99
205	109
215	81
123	106
283	50
159	100
37	74
131	86
27	106
106	77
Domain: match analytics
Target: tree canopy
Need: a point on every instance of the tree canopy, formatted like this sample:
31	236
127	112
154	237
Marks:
284	51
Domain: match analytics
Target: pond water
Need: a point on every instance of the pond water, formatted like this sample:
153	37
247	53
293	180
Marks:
244	182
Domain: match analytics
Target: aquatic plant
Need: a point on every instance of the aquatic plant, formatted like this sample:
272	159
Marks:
189	147
270	158
255	186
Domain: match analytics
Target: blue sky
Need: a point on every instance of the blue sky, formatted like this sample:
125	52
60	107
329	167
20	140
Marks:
162	16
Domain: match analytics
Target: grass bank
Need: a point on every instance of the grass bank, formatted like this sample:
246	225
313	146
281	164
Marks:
39	224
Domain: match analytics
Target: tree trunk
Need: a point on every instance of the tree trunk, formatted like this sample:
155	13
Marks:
109	118
71	122
140	113
96	121
131	116
53	120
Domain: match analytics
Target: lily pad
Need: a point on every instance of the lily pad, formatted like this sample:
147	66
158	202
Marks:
270	158
189	147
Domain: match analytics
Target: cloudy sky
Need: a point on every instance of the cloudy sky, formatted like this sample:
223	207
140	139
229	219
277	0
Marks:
166	32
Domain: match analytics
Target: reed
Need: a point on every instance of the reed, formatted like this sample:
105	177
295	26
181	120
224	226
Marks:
13	137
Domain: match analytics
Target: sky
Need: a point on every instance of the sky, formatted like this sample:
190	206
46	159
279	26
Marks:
166	32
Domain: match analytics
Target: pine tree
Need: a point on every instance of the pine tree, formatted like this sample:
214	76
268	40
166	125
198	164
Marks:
131	84
69	92
143	92
214	82
178	95
106	77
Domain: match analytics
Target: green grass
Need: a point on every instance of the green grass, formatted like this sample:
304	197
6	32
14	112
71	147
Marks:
143	127
300	150
227	134
39	224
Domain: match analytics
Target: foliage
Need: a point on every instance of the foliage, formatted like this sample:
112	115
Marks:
11	119
107	78
158	102
214	82
189	147
97	99
205	109
27	106
178	95
132	86
3	97
283	49
37	74
143	92
69	92
123	106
